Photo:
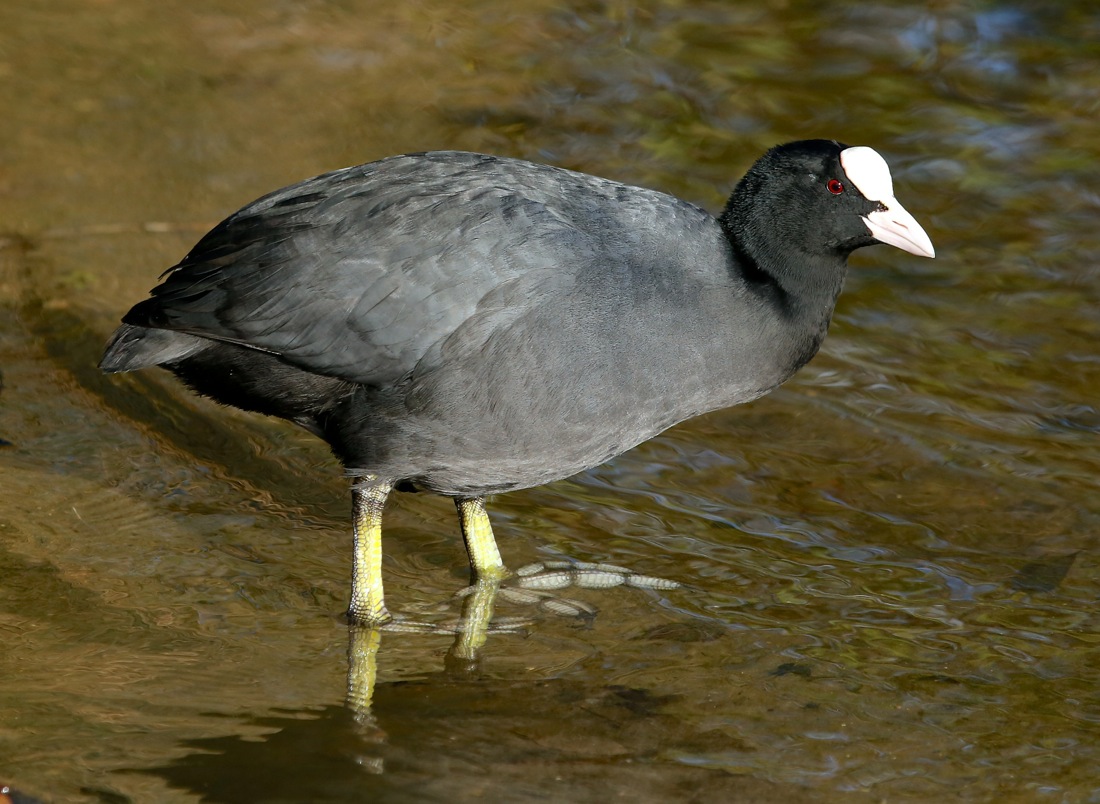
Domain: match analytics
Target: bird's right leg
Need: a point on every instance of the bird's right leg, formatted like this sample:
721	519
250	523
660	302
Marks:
368	496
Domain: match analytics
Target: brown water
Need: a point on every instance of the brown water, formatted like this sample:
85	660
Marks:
890	566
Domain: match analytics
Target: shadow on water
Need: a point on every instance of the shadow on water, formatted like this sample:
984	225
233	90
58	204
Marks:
325	756
421	741
204	432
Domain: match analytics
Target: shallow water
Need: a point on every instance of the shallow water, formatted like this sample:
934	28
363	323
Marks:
889	566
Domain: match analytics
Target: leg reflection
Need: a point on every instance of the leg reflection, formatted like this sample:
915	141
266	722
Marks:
363	644
536	585
477	614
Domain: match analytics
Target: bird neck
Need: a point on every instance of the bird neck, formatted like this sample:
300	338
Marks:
802	284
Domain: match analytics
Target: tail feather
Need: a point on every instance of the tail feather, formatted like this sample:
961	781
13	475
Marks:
132	348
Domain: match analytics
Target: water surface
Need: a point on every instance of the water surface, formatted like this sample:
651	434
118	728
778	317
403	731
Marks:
889	566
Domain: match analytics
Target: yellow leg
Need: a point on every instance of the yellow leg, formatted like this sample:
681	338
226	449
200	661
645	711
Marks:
367	604
480	544
363	644
477	613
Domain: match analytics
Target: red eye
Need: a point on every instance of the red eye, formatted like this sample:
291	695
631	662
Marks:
835	187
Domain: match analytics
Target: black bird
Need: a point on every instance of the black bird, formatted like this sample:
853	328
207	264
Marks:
467	324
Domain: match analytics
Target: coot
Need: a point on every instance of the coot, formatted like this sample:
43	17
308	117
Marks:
467	324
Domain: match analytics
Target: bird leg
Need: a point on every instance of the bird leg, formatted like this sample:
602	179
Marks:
368	497
480	544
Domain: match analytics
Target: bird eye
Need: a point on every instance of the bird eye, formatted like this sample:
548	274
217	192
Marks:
835	186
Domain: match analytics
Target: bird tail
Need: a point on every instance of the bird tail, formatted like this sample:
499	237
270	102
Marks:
132	348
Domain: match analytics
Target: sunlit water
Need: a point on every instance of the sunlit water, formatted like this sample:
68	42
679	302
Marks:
888	568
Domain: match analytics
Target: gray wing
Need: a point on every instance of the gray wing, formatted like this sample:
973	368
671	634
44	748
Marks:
373	272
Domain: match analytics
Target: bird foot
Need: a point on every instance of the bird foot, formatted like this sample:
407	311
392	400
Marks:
563	574
535	584
373	617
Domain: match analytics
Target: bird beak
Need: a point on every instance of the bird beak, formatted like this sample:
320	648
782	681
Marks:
894	226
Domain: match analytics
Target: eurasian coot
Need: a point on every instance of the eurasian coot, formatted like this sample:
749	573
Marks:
467	324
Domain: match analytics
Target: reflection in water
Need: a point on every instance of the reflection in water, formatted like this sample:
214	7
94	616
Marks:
471	632
530	585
